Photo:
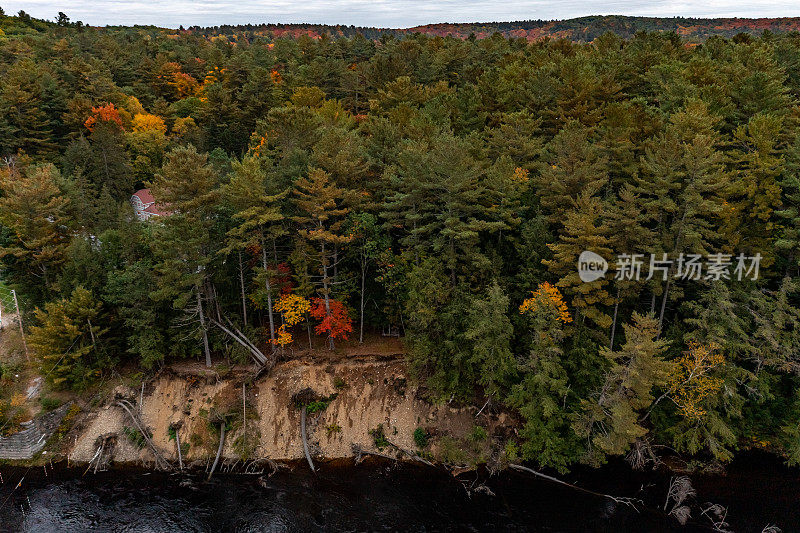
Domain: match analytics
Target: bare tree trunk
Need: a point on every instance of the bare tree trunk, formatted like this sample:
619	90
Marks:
663	304
176	428
305	438
219	450
326	290
244	418
614	322
241	283
206	349
361	332
269	291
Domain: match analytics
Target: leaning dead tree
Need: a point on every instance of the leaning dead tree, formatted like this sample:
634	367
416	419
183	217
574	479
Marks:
233	332
360	453
133	414
410	454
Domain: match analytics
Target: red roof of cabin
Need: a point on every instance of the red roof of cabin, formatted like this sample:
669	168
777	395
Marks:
145	196
147	199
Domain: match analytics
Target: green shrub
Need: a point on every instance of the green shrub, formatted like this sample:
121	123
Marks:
478	434
420	438
379	437
49	404
134	436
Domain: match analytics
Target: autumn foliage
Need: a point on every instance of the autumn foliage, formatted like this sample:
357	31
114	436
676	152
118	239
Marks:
549	297
146	122
337	324
693	380
292	308
106	113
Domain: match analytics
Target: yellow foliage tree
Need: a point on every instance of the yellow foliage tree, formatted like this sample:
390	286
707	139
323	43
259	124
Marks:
692	380
293	308
146	122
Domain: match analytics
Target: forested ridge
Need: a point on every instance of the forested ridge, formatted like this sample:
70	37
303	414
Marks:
436	187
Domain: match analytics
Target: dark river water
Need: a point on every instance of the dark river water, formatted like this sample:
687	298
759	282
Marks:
757	490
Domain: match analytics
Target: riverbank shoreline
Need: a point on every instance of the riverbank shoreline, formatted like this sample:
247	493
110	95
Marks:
406	495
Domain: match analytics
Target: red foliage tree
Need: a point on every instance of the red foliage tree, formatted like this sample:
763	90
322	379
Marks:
336	323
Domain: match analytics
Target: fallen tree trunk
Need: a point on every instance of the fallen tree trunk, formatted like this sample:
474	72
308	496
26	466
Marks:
160	461
359	453
219	450
410	454
240	338
305	439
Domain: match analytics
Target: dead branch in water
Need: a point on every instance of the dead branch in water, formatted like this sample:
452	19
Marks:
618	499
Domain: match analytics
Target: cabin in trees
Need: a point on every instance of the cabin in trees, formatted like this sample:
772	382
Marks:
145	206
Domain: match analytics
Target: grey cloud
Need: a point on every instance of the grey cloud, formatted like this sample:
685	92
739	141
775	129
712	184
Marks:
383	13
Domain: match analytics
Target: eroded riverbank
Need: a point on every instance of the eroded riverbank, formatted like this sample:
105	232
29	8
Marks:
355	398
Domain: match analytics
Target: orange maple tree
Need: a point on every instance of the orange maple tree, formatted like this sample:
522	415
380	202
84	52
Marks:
336	323
547	296
106	113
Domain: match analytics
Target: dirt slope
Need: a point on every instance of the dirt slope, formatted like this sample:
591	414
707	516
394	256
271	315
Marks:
369	392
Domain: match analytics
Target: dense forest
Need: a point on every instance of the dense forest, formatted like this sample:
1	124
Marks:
439	188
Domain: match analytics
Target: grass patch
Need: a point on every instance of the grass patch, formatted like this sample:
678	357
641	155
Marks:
379	437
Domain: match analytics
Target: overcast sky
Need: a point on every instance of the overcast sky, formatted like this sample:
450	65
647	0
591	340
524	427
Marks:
383	13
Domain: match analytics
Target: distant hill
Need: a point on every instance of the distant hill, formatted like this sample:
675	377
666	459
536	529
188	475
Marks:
588	28
583	29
